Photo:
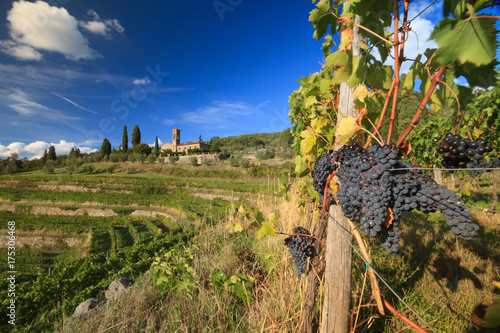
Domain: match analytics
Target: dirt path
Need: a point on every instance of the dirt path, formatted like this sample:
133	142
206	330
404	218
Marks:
39	241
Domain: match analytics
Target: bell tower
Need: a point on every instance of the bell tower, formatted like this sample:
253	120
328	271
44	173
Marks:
176	138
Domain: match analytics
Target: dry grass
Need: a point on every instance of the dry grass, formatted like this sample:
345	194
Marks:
443	278
274	305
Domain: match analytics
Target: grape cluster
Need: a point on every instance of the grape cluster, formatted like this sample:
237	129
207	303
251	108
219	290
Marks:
300	249
459	152
322	169
376	186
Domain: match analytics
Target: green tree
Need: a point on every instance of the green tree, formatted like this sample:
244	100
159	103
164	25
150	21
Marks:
125	139
52	154
142	148
136	136
71	165
75	152
105	148
157	147
44	157
215	148
199	139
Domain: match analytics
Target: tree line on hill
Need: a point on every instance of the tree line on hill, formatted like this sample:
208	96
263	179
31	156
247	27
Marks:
264	145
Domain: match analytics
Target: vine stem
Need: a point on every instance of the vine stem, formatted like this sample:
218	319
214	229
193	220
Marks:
310	236
374	34
397	65
371	273
435	80
382	115
399	315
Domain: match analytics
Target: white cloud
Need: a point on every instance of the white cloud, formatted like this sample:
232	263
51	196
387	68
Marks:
418	39
25	106
142	82
36	149
22	52
168	122
101	27
220	114
38	26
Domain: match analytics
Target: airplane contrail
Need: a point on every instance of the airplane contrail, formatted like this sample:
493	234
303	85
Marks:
71	102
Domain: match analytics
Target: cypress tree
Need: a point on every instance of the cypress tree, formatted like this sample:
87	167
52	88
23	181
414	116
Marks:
52	154
125	139
44	157
136	136
105	148
157	147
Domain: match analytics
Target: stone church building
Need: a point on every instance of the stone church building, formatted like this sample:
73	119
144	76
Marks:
177	146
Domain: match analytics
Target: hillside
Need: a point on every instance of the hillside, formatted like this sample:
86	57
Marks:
210	278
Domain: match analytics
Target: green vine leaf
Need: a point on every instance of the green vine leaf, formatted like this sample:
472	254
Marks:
471	40
268	228
321	18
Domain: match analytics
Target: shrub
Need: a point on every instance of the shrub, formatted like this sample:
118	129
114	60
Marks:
151	158
173	159
207	161
111	168
234	162
193	160
265	154
50	167
114	157
131	170
245	163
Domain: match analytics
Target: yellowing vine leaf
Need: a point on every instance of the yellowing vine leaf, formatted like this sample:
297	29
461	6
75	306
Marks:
347	128
267	229
346	39
360	93
308	141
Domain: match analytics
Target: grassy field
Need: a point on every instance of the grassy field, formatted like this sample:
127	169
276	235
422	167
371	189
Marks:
235	283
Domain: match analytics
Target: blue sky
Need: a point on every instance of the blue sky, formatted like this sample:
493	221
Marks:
74	72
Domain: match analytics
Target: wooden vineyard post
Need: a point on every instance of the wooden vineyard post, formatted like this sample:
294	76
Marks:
313	281
337	301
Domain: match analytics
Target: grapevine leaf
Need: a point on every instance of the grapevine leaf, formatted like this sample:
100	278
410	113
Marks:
379	76
321	18
259	217
358	72
325	86
455	7
300	164
337	59
318	124
327	45
346	39
308	141
470	40
347	128
360	93
273	217
267	229
482	76
310	101
416	68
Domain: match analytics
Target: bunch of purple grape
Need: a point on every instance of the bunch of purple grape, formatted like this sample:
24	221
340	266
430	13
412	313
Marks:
459	152
299	248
